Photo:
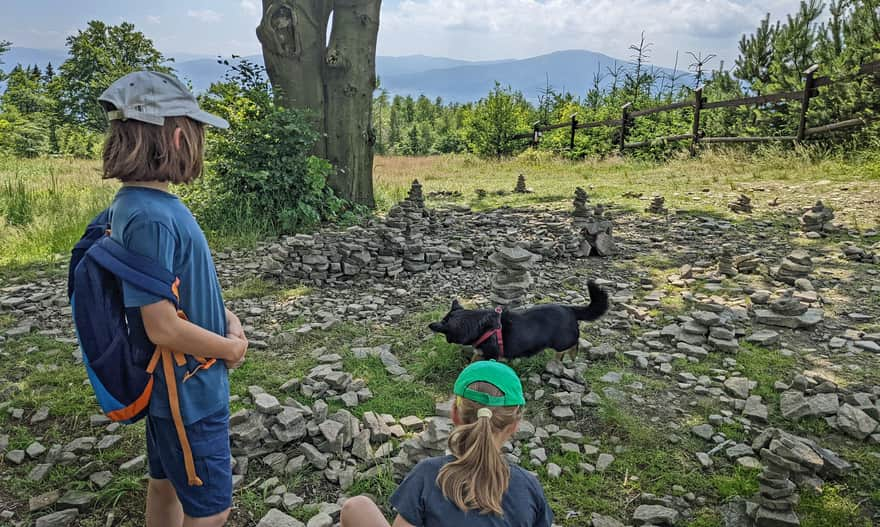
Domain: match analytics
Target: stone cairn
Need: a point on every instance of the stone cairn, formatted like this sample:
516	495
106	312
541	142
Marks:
726	262
582	214
789	312
657	206
704	328
513	279
796	265
432	442
597	236
857	254
403	236
741	205
521	187
816	221
790	461
747	263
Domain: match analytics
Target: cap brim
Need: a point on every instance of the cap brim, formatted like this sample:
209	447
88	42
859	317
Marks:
209	119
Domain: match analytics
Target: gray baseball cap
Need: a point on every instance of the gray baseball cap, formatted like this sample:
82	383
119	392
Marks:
150	97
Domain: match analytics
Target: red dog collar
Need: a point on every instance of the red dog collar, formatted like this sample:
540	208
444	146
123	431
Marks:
496	332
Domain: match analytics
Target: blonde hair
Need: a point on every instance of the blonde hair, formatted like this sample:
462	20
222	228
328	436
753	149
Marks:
138	151
479	475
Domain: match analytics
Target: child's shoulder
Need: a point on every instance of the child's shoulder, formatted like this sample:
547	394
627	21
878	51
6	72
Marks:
138	205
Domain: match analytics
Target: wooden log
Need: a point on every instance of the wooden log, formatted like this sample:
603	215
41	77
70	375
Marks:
747	139
834	126
597	124
759	99
624	111
664	108
695	131
805	101
667	139
574	123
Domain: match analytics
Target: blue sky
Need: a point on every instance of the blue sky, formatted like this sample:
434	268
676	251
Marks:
466	29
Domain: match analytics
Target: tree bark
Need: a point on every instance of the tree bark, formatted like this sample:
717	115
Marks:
334	82
350	78
293	34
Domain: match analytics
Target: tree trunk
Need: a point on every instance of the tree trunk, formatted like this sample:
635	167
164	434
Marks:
334	82
350	78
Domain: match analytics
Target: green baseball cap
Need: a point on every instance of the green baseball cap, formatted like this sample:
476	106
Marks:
498	375
150	97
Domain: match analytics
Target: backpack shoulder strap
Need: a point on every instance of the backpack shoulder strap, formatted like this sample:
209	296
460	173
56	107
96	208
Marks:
135	269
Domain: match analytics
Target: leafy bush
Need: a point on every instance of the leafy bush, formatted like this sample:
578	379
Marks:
261	176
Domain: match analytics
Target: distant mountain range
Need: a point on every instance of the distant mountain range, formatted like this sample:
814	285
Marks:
452	79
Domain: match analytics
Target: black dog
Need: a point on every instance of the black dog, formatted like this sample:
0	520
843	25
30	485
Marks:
513	334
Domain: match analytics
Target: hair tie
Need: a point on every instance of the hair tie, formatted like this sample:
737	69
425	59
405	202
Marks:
484	412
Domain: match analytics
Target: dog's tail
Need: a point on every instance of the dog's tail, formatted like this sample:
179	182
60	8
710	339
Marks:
598	303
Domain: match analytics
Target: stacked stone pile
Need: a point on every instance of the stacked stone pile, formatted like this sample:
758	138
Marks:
513	279
702	330
597	233
796	265
817	220
726	261
657	205
741	205
788	311
857	254
747	263
521	187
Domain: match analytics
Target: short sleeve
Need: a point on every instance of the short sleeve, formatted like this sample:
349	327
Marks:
544	517
154	241
408	500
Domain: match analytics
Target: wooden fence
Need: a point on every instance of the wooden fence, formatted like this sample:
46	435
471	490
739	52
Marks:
699	105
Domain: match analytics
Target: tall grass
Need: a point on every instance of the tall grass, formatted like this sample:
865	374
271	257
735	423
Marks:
45	205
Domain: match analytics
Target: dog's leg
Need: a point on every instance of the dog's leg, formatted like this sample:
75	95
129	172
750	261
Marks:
559	355
476	356
573	353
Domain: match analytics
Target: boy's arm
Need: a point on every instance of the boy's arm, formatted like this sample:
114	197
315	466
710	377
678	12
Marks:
164	328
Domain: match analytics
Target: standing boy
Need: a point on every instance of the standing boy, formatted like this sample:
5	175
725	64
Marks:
156	138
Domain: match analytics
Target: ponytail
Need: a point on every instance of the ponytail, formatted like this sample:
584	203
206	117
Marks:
479	476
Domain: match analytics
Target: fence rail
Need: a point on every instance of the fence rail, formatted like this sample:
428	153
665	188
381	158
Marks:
699	105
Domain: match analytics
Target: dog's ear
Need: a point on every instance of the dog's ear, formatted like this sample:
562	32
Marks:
455	305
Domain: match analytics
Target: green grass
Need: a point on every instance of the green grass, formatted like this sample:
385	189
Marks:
830	508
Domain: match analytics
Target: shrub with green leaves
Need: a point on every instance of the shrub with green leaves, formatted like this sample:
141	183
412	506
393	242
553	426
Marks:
261	178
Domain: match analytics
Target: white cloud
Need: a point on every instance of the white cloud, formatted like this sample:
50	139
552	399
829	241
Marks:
250	7
204	15
488	29
154	19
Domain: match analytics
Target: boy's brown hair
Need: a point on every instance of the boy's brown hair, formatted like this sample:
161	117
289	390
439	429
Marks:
138	151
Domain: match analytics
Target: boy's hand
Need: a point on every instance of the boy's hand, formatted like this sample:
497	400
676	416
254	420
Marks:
241	350
233	324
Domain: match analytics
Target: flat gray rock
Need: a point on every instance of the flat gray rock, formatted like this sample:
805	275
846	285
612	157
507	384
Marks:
276	518
655	515
58	519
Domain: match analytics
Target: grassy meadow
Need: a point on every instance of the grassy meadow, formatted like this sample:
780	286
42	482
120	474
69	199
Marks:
45	203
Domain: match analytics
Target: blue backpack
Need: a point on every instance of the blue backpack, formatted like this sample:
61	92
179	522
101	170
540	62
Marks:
119	358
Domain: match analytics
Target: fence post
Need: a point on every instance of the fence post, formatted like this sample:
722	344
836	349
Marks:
624	118
698	106
536	133
574	123
809	86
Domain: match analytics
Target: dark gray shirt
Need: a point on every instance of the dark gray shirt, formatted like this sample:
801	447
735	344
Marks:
421	502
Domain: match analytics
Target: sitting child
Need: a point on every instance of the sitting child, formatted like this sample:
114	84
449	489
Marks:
474	487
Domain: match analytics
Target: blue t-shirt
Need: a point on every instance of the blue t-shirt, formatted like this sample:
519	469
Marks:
158	225
421	502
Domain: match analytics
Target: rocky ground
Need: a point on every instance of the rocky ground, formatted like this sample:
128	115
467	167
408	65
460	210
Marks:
735	379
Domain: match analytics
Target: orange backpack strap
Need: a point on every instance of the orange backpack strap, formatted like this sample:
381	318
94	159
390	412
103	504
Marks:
174	403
